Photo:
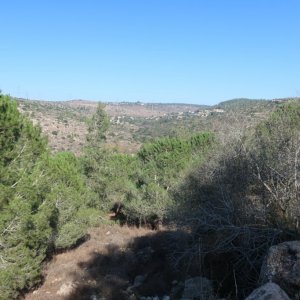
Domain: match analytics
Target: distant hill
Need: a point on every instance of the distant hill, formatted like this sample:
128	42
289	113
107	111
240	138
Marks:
241	103
64	122
137	109
246	103
132	123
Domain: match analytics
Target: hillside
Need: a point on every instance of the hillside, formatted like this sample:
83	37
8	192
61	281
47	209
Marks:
132	124
64	123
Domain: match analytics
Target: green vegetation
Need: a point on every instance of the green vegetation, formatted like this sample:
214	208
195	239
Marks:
142	183
243	103
62	112
231	178
97	127
133	124
44	202
235	116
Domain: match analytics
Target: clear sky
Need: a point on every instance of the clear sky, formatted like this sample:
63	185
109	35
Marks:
150	50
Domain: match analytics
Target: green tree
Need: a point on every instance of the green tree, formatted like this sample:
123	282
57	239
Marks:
93	159
44	202
98	126
24	235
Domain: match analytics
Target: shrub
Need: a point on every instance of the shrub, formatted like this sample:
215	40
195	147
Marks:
241	200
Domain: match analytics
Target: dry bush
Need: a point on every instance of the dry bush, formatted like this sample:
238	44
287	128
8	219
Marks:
242	201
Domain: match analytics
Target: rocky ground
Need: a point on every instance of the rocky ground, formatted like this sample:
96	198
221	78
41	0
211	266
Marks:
118	263
114	263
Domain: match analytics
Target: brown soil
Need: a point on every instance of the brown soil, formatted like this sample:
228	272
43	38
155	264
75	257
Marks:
105	266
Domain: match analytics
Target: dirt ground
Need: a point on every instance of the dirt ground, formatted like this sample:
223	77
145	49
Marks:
107	264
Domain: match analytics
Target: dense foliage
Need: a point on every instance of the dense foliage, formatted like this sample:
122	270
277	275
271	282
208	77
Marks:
142	183
44	202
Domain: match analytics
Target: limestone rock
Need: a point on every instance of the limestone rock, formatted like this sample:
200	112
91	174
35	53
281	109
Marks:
197	288
268	291
282	266
66	289
138	280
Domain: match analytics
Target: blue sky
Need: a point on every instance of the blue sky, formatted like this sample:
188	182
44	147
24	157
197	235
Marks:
150	50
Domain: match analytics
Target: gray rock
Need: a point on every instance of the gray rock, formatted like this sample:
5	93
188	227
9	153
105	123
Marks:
198	288
282	266
138	280
269	291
